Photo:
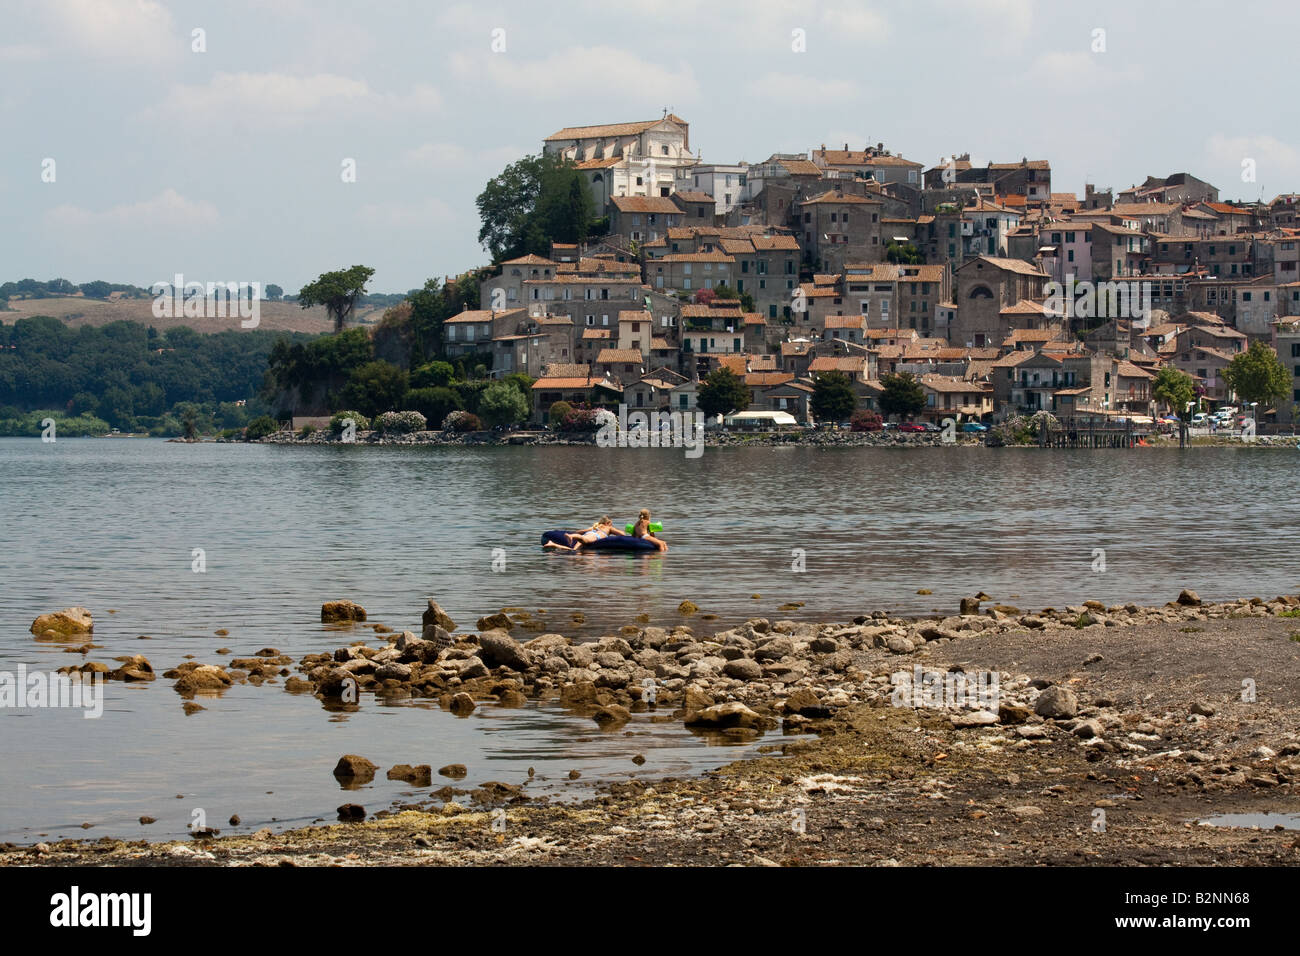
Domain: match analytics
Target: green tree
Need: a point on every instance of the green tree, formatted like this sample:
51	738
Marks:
376	387
434	404
833	398
1175	388
902	395
98	289
906	254
274	293
724	291
433	375
555	414
722	393
1256	375
533	201
338	292
502	404
260	427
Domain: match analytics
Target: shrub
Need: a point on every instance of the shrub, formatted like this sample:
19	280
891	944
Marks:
557	412
503	404
433	375
306	431
260	427
359	421
864	421
400	423
462	421
582	419
435	404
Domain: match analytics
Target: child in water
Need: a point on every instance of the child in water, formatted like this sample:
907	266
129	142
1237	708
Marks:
642	530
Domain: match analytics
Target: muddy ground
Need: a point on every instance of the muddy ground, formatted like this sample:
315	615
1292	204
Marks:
886	785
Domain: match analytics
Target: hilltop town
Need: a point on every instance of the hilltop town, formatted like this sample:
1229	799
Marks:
998	293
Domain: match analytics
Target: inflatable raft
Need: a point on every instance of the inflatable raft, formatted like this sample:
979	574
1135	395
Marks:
615	542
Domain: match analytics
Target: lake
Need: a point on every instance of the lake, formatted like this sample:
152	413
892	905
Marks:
122	525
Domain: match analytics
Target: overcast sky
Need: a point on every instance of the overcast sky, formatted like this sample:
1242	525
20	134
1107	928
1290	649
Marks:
226	164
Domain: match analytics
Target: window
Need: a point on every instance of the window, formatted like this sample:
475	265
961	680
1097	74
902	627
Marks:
686	269
807	217
832	217
665	150
451	337
604	320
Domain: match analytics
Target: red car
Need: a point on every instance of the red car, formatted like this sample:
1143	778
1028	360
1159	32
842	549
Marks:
911	427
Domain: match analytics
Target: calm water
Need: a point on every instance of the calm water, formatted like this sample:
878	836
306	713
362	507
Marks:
114	524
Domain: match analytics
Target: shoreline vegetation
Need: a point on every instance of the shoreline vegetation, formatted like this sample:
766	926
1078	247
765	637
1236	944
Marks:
1113	735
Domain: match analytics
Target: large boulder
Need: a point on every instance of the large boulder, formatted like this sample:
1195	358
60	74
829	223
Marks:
1057	703
205	677
355	769
434	614
499	649
66	623
498	621
731	714
336	612
134	668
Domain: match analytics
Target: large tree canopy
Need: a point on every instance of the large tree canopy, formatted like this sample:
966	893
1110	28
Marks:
722	393
1256	375
535	201
338	292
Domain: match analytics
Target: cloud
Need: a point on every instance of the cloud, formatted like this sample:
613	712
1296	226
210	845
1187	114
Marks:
116	29
443	157
278	100
1274	161
798	88
168	210
622	75
1080	72
21	53
401	215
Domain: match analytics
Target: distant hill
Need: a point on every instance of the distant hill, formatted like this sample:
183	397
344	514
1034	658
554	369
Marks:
77	311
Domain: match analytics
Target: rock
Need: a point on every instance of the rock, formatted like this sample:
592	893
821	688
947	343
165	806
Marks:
472	669
775	649
1012	713
611	715
806	703
333	612
65	623
742	668
1057	703
495	622
134	668
969	605
148	820
687	607
393	671
351	813
731	714
462	705
1087	729
900	645
639	759
234	820
355	769
420	775
296	685
499	649
1026	812
695	700
205	677
977	718
1189	598
191	708
455	771
435	615
1204	709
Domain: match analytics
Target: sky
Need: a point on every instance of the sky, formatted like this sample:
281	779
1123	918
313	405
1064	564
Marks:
228	163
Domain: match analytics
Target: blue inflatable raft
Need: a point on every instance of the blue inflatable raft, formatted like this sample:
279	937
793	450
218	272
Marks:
615	542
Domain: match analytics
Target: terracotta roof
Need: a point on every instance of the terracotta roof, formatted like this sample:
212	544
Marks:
1028	164
1010	265
608	129
773	243
835	196
479	315
734	362
943	383
576	383
529	260
596	333
838	363
1129	370
598	163
800	167
693	195
1026	307
844	322
696	257
635	315
625	356
768	378
647	204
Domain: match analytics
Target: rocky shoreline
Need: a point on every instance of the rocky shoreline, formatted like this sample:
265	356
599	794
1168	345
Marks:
1113	730
725	439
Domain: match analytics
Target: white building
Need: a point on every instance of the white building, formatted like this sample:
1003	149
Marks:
725	183
626	159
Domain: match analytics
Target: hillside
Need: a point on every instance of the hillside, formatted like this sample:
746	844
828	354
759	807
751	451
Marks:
77	311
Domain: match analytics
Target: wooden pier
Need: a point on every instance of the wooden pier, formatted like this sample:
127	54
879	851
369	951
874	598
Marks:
1092	433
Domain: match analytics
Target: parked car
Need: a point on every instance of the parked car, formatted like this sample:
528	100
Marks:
974	427
1200	420
890	426
911	427
931	427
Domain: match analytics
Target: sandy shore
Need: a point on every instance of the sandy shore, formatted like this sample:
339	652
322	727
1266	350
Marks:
1114	731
